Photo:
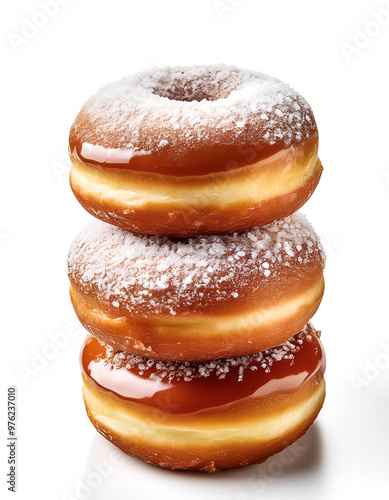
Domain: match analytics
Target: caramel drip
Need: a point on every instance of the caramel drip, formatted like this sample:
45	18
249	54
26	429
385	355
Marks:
196	162
180	396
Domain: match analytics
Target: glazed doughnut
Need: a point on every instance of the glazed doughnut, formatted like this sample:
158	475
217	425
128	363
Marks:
195	299
182	151
208	416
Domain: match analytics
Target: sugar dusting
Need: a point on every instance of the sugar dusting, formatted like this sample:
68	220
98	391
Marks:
187	371
186	107
154	275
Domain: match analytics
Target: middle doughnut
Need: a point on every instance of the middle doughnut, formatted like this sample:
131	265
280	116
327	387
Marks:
196	299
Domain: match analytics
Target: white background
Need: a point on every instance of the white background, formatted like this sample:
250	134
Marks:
45	80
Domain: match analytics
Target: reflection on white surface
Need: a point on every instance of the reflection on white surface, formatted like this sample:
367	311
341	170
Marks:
107	470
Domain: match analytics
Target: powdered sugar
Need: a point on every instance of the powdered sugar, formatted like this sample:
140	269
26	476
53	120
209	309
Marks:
187	371
153	275
188	107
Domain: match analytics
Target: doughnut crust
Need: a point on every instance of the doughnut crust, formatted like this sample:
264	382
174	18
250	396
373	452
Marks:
196	299
175	423
194	150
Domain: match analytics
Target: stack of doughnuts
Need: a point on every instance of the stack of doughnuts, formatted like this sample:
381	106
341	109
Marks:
198	282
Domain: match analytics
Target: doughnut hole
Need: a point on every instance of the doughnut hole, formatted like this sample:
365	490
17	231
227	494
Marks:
187	85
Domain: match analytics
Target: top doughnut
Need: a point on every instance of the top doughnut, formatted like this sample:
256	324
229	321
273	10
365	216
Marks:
182	151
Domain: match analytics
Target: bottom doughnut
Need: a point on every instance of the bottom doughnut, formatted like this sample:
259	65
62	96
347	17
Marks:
208	416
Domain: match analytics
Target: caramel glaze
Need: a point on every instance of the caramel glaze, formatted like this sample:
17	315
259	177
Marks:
207	160
182	397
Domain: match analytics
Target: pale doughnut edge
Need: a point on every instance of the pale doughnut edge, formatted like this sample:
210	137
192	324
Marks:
219	443
222	203
199	337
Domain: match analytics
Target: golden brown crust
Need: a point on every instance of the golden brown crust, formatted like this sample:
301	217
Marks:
148	157
182	337
217	296
296	412
205	416
166	114
178	216
180	221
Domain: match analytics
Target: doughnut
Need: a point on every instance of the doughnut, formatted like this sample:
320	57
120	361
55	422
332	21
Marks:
182	151
194	299
206	416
